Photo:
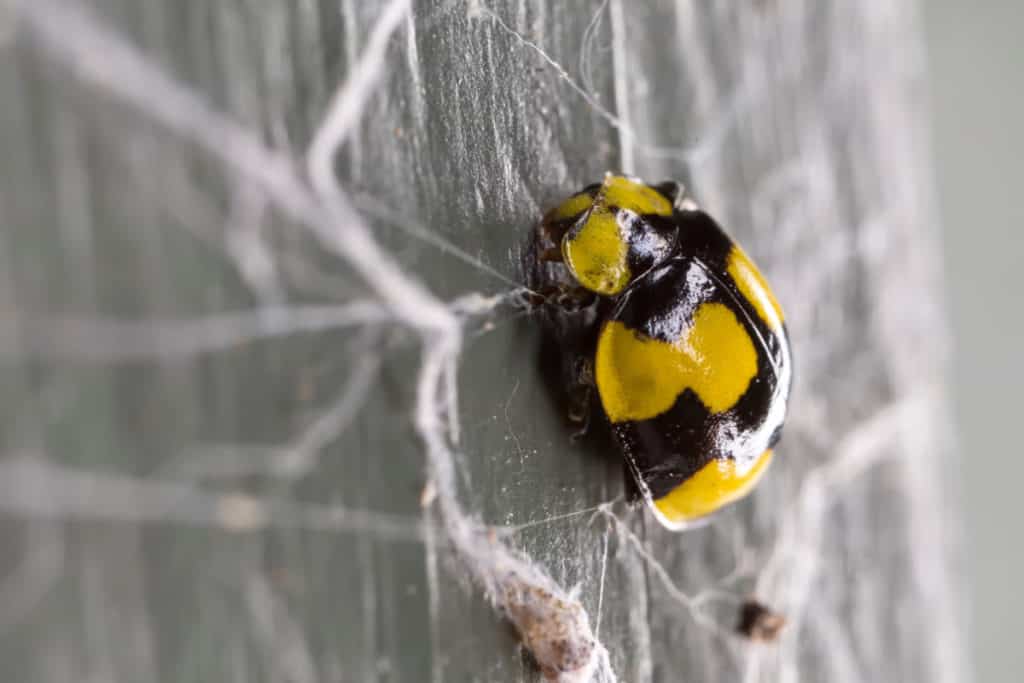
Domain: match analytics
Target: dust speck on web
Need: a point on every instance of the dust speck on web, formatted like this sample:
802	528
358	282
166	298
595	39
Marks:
270	367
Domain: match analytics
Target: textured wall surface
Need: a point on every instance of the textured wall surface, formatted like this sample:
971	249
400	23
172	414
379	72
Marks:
259	425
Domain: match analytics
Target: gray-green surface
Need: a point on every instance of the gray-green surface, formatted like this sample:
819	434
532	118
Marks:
975	61
183	505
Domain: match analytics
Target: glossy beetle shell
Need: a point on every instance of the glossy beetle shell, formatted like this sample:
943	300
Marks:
689	352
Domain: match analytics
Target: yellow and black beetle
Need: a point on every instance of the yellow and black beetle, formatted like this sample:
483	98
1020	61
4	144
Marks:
675	327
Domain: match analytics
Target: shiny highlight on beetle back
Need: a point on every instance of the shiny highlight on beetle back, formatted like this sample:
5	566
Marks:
754	288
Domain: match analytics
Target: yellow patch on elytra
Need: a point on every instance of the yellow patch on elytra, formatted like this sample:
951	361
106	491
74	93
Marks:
597	253
639	378
716	484
639	198
753	286
574	205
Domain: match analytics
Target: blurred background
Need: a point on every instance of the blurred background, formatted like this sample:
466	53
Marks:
976	65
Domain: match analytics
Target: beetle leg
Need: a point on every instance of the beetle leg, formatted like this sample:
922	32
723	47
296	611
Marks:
550	255
581	432
573	298
568	298
539	297
581	394
552	231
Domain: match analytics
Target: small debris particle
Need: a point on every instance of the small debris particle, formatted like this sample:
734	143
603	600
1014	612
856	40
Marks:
239	512
759	623
428	494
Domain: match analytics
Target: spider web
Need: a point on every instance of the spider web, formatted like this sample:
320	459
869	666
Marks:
270	410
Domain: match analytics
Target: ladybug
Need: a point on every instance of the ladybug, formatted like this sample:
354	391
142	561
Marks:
668	321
